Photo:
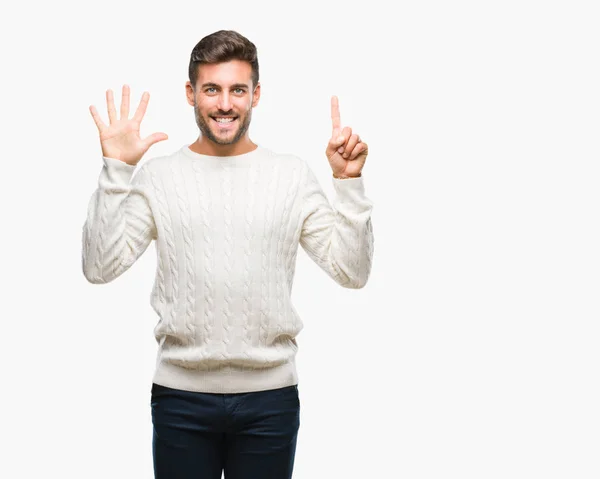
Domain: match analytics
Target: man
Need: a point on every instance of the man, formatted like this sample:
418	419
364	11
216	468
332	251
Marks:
227	216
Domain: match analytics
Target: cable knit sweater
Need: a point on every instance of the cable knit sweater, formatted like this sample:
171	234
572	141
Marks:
227	231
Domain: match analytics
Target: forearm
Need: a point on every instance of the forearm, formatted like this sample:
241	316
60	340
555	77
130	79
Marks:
119	224
339	238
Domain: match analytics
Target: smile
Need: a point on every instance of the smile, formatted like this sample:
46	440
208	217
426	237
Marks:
224	122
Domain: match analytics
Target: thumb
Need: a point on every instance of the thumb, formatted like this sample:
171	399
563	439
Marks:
155	138
336	141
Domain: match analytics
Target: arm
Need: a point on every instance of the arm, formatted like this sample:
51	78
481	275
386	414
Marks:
338	237
119	225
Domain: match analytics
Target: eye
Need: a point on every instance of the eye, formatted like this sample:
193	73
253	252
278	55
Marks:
239	90
208	90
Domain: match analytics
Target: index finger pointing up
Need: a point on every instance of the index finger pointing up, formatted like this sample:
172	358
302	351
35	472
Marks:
335	113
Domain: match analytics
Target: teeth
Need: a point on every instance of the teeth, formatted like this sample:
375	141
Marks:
224	120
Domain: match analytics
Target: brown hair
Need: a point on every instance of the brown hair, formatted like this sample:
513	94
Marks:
223	46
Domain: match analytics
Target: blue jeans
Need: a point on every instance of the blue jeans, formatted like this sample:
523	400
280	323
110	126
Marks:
246	435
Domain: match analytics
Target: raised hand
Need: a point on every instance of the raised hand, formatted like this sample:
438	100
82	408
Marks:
346	152
121	138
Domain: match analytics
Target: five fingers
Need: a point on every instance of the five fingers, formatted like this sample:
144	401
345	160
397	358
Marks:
112	112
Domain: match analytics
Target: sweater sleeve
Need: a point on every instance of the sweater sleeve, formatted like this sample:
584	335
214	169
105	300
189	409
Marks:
119	225
338	237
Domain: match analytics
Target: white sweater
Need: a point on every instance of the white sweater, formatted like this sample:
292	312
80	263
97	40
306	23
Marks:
227	231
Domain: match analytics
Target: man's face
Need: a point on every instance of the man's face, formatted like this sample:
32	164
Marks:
223	100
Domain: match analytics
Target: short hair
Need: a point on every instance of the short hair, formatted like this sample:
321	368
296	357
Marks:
223	46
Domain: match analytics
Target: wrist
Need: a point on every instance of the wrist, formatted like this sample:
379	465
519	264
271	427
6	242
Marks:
346	177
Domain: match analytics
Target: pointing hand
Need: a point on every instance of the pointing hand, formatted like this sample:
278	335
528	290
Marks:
346	152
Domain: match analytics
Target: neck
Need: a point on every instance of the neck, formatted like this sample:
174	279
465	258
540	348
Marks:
204	146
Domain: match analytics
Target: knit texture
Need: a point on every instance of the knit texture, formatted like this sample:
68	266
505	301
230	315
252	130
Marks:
226	231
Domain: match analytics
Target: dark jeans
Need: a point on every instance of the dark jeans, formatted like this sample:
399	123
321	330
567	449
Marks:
246	435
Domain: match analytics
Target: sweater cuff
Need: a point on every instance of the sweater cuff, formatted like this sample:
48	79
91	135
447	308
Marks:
349	189
118	171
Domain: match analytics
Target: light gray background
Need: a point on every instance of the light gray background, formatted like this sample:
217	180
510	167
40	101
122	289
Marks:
473	350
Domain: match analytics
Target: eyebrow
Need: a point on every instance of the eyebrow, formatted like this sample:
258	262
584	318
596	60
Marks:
235	85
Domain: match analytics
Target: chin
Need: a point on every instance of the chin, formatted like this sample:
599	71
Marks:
228	139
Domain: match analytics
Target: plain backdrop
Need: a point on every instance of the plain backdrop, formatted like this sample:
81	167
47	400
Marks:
473	351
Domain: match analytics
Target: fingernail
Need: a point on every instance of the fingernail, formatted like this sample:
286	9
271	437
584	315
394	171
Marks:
341	149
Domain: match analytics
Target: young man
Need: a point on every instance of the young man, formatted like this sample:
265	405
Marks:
227	216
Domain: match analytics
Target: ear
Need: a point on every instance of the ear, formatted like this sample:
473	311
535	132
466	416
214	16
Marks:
189	93
256	95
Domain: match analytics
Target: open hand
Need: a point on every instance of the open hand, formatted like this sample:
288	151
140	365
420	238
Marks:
346	152
121	139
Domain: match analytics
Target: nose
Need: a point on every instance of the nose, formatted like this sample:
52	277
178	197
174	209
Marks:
224	101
